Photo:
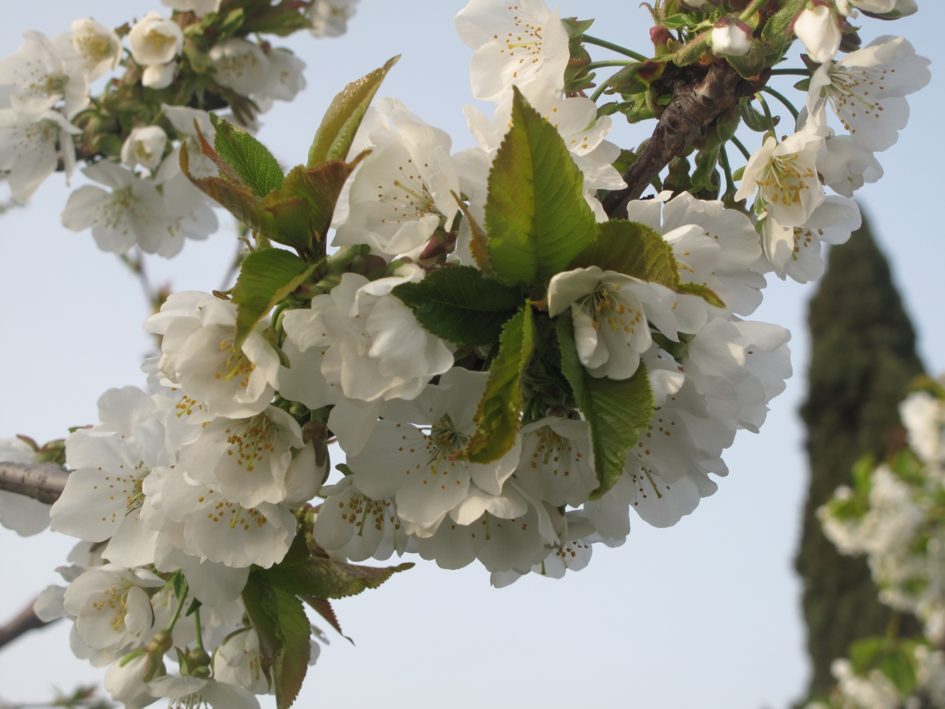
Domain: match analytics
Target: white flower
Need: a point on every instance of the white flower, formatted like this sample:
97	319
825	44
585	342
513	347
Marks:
797	251
127	680
198	354
144	146
924	418
874	690
722	253
130	213
98	46
155	40
240	65
610	311
33	137
817	27
187	211
353	526
883	8
185	121
112	609
557	465
103	494
738	366
329	18
196	692
866	90
369	342
22	514
247	460
500	541
785	176
845	166
731	37
159	76
284	79
215	528
515	42
38	71
403	191
198	7
420	471
238	662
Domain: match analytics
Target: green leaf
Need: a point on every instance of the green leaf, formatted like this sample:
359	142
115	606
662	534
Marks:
323	607
633	249
536	215
627	81
460	304
618	410
703	291
499	418
266	277
477	239
321	577
279	620
895	659
752	117
249	158
303	206
575	27
343	117
238	199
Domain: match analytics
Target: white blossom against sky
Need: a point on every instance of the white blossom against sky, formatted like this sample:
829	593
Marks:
703	614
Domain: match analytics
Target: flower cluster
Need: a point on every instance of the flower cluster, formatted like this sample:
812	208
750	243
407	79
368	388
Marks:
893	516
865	90
129	135
509	355
174	506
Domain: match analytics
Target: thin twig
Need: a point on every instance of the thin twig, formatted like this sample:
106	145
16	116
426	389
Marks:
20	624
40	481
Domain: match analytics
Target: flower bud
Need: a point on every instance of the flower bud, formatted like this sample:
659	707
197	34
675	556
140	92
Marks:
198	7
817	27
155	40
144	146
98	46
158	76
240	65
731	36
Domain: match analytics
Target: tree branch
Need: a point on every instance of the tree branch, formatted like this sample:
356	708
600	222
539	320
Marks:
41	481
20	624
700	96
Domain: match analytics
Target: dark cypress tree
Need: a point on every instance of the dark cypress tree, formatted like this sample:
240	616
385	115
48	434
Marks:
862	360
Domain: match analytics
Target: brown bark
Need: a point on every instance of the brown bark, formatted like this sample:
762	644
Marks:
41	481
699	96
20	624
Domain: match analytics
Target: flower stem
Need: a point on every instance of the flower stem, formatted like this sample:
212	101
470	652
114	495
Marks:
767	111
783	99
727	169
609	62
614	47
751	9
198	631
741	147
790	72
177	611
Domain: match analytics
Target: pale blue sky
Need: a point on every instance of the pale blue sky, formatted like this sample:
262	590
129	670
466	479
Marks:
705	614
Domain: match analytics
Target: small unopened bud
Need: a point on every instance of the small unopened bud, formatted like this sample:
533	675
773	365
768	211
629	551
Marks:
818	28
160	643
731	36
660	36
